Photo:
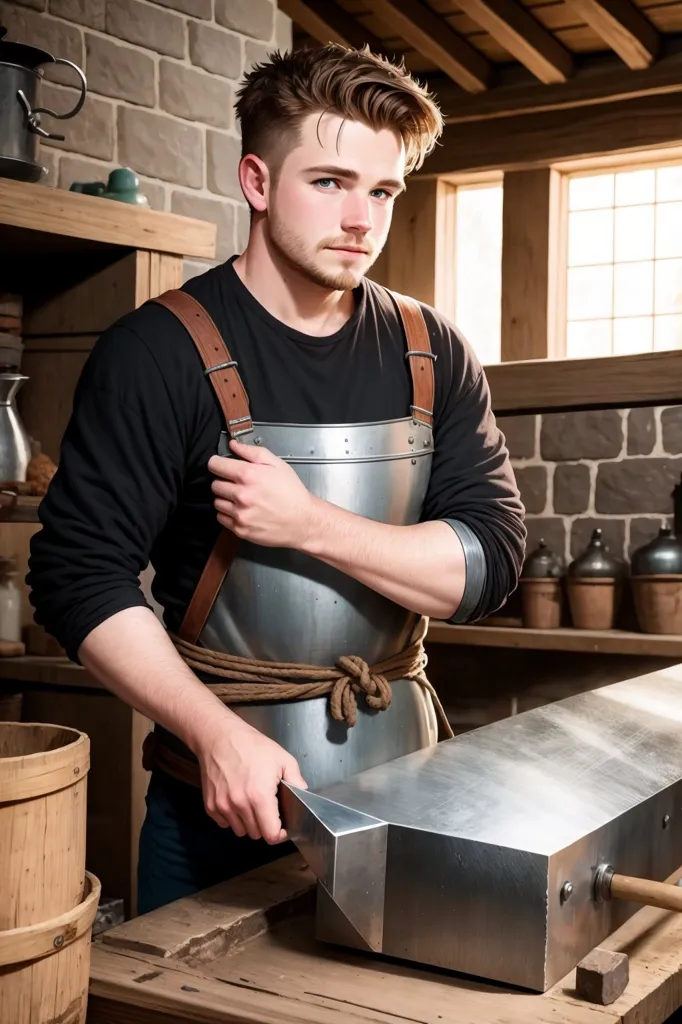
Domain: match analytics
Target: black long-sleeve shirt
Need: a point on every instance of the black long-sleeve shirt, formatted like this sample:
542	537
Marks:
133	485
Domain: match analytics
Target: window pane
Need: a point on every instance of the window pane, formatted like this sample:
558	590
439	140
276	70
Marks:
588	338
667	332
478	241
590	237
669	230
632	334
633	289
590	193
634	233
669	286
589	292
634	187
668	183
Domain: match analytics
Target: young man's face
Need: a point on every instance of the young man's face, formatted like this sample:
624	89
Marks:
330	207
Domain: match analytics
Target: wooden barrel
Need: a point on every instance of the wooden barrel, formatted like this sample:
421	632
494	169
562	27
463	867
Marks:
47	903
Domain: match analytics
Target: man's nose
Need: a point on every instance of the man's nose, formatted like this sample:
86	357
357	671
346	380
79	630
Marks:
356	214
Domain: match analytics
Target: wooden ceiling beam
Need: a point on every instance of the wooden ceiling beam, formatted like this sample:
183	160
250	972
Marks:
596	82
433	38
624	28
551	136
326	22
522	36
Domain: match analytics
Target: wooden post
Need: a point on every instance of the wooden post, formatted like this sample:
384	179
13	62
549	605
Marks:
533	261
419	256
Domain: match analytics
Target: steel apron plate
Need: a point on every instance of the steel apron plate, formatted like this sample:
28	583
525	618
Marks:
281	605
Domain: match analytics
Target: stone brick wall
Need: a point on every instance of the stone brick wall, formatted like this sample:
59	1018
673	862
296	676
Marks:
613	469
162	76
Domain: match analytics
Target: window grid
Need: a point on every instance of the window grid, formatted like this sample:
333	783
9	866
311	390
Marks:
647	310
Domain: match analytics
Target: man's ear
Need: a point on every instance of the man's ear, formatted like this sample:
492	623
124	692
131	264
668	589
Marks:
254	178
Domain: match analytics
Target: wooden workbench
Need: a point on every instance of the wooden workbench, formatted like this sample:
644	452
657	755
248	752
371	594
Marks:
245	951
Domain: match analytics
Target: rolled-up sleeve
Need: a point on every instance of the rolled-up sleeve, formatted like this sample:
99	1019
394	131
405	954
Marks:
473	483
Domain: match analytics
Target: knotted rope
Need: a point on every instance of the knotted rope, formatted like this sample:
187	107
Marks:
253	680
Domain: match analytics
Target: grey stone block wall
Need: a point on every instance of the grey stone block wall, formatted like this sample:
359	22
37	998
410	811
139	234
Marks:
614	469
162	77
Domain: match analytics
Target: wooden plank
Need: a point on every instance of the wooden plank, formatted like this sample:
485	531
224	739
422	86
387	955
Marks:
210	923
418	256
131	988
538	385
580	640
48	671
624	28
165	272
522	36
534	140
90	218
327	22
533	253
599	80
430	35
24	509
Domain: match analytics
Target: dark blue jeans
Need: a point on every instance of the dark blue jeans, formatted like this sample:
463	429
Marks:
182	850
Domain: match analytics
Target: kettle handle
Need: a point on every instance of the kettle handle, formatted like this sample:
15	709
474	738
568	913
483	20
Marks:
32	114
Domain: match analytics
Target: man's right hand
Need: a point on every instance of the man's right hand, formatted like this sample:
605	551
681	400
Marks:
241	770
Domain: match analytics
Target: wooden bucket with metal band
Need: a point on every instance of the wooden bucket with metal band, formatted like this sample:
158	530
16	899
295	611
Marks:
47	901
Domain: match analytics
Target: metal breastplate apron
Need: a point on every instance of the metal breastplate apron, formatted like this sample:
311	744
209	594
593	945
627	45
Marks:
277	604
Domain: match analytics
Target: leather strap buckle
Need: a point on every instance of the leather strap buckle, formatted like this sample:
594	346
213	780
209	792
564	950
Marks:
220	366
418	352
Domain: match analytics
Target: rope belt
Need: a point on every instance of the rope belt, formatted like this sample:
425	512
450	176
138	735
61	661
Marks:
253	680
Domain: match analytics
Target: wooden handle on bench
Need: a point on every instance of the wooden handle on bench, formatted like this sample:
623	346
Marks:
643	890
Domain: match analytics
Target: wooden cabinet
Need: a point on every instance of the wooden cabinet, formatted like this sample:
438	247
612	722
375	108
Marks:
79	263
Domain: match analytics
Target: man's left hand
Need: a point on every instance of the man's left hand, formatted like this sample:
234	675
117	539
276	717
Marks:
260	498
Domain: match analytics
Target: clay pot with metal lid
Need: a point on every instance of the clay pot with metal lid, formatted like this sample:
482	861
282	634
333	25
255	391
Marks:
657	583
541	588
595	585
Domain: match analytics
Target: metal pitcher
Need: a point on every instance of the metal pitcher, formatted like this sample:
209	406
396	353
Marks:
15	446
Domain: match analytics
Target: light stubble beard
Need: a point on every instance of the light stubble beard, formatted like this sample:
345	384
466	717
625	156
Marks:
292	249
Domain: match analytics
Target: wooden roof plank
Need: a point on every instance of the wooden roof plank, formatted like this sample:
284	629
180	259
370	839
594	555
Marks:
326	22
624	28
429	34
523	37
592	84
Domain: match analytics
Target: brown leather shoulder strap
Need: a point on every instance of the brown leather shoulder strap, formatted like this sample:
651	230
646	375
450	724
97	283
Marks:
419	356
221	368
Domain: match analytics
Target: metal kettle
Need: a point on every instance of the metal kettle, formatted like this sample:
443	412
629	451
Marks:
15	445
20	130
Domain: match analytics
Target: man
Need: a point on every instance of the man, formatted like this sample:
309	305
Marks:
362	483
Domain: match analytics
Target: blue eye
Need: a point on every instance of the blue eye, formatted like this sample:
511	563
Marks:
324	182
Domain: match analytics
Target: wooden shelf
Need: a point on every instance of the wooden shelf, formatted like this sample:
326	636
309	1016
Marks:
578	640
554	385
62	672
29	212
25	510
54	671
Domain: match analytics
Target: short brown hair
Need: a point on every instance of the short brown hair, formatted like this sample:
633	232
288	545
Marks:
355	84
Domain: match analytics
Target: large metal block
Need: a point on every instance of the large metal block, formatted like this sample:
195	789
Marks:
480	854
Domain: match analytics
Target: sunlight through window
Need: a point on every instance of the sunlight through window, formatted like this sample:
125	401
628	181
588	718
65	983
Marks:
478	276
624	266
